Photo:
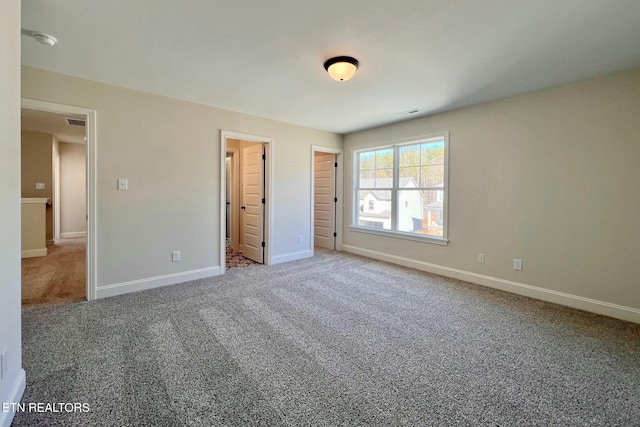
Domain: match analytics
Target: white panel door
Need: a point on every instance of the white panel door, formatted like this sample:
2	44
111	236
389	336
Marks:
324	200
252	209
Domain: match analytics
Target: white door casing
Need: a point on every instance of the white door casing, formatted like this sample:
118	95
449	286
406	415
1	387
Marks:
91	191
268	144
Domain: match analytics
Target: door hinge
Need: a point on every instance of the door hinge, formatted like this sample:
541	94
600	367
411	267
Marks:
264	156
264	200
335	234
335	165
335	200
263	244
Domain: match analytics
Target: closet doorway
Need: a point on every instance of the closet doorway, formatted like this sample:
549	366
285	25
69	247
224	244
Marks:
245	200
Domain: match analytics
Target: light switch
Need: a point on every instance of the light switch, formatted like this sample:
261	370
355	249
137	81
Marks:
40	186
123	184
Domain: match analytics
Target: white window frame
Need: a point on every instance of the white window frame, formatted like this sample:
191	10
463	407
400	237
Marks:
444	136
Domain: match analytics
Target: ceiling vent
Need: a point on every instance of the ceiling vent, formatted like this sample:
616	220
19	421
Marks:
75	122
412	111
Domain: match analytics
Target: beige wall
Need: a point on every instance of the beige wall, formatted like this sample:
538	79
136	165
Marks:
73	202
169	150
12	386
549	177
37	166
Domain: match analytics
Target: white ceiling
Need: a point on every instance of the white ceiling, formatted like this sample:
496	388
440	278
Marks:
266	57
54	124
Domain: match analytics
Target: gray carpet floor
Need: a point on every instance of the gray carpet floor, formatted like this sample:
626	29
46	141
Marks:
329	341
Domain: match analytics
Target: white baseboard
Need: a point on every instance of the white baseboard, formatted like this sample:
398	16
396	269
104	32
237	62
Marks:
73	234
294	256
32	253
155	282
15	396
594	306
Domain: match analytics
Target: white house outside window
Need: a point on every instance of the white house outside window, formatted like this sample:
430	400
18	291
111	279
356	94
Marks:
402	189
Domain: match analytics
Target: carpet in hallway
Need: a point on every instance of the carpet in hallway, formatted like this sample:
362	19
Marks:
58	277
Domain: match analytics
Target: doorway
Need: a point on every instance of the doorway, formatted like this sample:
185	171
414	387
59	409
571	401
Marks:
58	168
235	239
326	198
245	202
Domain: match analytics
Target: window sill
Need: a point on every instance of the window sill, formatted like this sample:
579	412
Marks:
400	235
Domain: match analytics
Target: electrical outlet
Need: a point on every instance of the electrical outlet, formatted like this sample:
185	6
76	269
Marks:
517	264
123	184
481	258
175	256
40	186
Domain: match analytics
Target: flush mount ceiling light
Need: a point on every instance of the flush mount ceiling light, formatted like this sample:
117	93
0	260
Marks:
40	37
341	68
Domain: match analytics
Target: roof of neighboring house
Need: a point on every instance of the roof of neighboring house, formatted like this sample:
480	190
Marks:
382	195
383	183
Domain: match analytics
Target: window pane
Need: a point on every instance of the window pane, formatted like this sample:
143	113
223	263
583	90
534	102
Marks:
424	163
421	212
384	178
376	168
432	153
381	178
366	178
367	160
432	176
374	208
409	177
384	158
409	155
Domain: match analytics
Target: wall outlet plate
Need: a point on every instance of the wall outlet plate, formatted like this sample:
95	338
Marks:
517	264
175	256
40	185
481	258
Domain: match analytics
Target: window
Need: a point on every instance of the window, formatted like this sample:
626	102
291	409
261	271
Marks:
407	184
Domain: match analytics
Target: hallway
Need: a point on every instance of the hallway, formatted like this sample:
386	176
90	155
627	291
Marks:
58	277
